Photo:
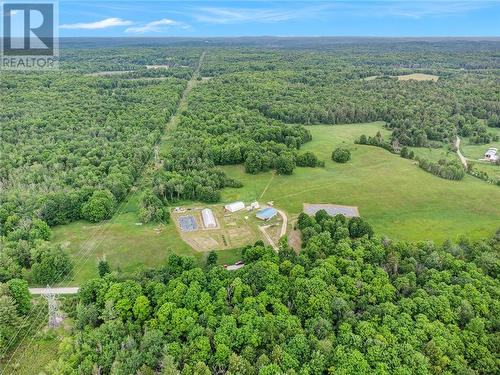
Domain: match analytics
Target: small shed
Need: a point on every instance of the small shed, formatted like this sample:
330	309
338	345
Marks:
255	205
266	213
235	206
491	154
208	218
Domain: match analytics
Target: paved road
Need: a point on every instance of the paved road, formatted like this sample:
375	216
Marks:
70	290
459	153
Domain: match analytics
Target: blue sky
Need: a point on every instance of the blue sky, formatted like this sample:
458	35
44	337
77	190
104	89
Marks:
281	18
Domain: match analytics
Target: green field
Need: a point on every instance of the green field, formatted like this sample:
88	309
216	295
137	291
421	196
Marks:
127	246
399	199
435	154
475	152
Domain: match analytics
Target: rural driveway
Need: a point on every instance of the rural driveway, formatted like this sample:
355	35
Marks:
459	153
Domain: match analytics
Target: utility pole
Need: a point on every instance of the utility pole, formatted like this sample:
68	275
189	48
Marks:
54	317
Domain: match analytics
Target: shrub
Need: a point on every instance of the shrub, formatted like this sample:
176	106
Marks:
450	170
50	264
152	209
99	207
341	155
285	164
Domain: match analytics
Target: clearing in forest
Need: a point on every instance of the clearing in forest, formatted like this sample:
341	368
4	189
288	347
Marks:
418	77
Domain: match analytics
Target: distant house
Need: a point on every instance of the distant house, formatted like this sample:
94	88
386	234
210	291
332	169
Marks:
208	218
266	213
491	154
235	206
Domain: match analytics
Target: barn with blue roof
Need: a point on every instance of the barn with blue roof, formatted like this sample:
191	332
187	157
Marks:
266	213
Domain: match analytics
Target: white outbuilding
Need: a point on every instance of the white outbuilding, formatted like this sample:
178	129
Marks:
235	206
491	154
208	218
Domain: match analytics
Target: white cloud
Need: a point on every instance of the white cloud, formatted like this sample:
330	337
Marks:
404	9
157	26
217	15
103	24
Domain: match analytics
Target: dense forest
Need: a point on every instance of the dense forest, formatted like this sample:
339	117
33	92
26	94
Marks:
350	303
72	146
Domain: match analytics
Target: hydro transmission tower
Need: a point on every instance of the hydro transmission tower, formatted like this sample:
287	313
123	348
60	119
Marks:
54	317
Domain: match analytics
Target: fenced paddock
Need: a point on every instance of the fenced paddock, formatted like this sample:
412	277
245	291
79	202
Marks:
331	209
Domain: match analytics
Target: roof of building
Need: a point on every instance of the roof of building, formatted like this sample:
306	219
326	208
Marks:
235	206
208	217
266	213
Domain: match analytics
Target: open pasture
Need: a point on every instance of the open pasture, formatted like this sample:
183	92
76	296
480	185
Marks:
418	77
399	199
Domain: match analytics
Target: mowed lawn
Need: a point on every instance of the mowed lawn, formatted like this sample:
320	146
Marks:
399	199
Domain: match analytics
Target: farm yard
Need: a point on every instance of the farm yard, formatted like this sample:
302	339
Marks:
233	230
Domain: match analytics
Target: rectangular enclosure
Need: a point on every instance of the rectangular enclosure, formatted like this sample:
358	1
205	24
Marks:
331	209
187	223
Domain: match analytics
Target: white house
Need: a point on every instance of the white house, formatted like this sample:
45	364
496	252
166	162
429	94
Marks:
235	206
208	218
491	154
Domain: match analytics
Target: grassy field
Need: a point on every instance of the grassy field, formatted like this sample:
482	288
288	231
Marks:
475	152
36	350
435	154
399	199
418	77
126	245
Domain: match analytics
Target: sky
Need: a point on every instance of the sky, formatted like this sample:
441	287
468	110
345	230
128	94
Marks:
278	18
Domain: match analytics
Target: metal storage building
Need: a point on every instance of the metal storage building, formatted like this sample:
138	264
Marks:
266	213
208	218
235	206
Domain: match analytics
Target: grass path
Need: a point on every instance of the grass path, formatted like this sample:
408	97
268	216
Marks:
459	153
267	186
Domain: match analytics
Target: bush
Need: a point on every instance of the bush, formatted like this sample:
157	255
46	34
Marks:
450	170
285	165
307	159
152	209
99	207
50	264
359	227
341	155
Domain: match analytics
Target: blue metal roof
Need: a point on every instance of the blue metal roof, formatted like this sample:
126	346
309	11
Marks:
266	213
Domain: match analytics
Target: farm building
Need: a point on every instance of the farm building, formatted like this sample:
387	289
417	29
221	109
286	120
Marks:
266	213
235	206
491	154
208	218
